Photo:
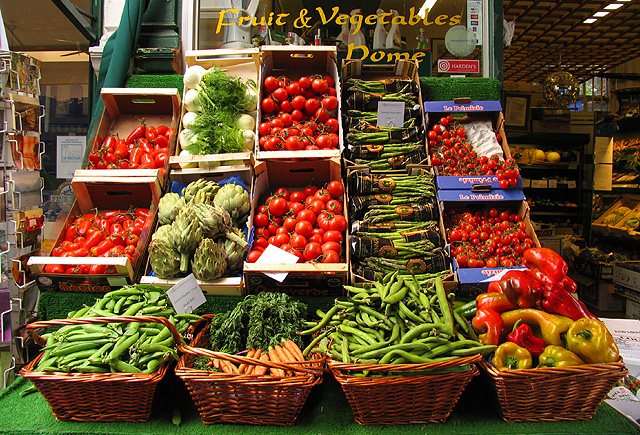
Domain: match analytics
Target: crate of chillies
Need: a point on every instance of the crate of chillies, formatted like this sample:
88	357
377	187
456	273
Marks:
554	359
399	351
104	362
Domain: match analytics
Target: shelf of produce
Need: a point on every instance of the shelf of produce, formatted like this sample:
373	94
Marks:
553	213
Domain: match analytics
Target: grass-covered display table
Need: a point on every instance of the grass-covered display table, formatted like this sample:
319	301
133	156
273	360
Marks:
325	412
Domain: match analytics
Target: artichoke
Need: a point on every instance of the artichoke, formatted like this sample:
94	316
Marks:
164	258
209	261
235	200
234	251
168	207
213	220
186	234
202	197
162	232
200	185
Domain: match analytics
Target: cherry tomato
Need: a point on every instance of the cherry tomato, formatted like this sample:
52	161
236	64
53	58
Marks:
261	220
330	256
271	83
298	241
335	188
330	103
268	105
278	206
312	251
319	85
253	256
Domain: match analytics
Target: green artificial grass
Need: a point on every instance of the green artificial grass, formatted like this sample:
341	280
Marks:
155	81
449	88
56	305
325	412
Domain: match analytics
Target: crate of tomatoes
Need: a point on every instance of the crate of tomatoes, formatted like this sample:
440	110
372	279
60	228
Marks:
104	238
136	135
299	110
468	147
298	229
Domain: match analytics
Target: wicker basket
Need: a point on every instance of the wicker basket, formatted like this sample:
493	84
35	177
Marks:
246	399
405	393
552	394
97	396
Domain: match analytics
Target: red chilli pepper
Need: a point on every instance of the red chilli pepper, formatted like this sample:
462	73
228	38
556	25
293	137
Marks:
101	248
522	335
137	133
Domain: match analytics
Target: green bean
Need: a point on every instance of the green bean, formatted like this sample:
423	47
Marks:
118	307
465	326
133	309
402	308
97	356
123	292
484	350
395	333
345	351
124	367
323	321
415	346
66	349
314	342
91	369
122	345
445	307
153	365
81	312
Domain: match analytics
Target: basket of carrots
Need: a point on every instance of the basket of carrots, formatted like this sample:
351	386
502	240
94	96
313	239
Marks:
246	366
104	362
399	351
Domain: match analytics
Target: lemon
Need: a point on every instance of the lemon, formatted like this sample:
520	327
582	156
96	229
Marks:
538	155
553	157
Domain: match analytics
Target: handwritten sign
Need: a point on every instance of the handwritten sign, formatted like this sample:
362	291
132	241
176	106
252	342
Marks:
390	113
186	295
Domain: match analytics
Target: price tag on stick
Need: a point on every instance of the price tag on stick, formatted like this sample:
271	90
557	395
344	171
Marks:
186	295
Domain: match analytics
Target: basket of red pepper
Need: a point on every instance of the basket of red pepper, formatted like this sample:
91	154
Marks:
555	360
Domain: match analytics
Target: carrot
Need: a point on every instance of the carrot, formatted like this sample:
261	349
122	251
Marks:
215	363
229	367
284	356
294	349
243	366
273	356
261	370
250	370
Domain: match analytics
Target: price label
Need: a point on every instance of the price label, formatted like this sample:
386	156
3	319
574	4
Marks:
572	184
186	295
553	184
539	184
390	114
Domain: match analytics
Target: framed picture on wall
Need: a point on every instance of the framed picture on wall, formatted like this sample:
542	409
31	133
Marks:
517	112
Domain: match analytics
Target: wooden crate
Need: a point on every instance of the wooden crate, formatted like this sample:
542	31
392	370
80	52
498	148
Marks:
226	286
126	108
241	63
303	279
294	61
98	195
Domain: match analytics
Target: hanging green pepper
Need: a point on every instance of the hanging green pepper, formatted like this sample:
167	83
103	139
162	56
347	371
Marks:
558	356
510	356
591	340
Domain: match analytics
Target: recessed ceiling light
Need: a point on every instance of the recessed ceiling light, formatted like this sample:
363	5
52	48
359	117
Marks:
613	6
601	14
590	20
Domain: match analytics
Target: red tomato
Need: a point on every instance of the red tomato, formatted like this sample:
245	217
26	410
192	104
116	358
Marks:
323	195
306	215
293	88
330	257
332	246
333	236
335	188
298	102
334	206
298	241
310	190
311	106
330	103
268	105
297	196
319	85
338	223
253	256
304	228
312	251
278	206
290	223
261	220
271	83
304	82
323	141
316	206
332	125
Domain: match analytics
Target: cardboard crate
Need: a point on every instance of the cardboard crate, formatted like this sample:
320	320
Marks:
606	225
450	281
552	242
504	199
241	63
294	61
434	110
632	309
625	273
99	196
593	269
402	69
321	279
125	108
621	230
225	286
600	294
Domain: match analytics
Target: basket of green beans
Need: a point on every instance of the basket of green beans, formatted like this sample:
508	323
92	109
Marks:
103	365
399	351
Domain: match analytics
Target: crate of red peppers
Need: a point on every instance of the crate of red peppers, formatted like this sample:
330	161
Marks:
299	113
104	238
487	238
383	121
467	146
136	134
298	212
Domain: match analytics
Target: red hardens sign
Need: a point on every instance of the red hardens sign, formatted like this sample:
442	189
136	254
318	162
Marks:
459	66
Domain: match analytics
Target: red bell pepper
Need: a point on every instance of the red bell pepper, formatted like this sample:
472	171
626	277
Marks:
522	335
495	301
489	323
520	286
548	267
559	301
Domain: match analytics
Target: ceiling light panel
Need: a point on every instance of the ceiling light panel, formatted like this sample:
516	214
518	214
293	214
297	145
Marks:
601	14
613	6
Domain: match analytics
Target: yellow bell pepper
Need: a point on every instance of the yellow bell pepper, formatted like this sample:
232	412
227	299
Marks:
558	356
591	340
550	325
510	356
